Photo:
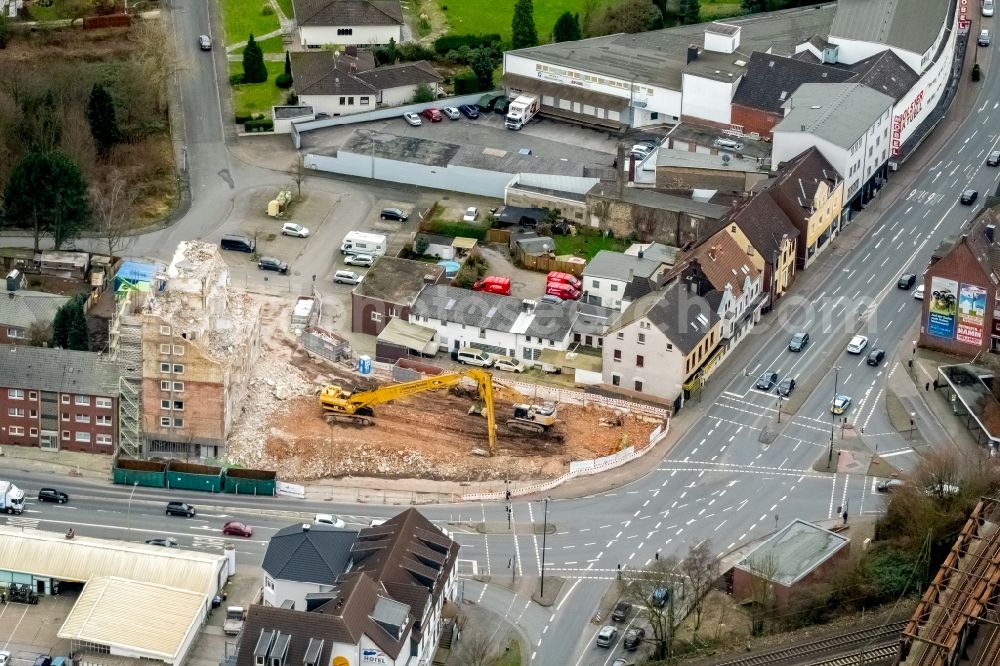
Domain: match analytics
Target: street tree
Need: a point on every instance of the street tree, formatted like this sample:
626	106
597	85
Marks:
629	16
690	12
652	592
46	193
522	26
567	28
299	173
254	70
701	569
102	119
112	203
482	66
763	569
476	648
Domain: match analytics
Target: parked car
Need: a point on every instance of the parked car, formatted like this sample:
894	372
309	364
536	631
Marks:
205	42
888	485
272	264
322	115
906	281
857	344
394	214
767	381
840	404
292	229
918	293
607	635
508	364
4	658
984	37
659	597
470	111
412	119
52	495
180	509
346	277
432	115
365	260
969	197
798	341
633	638
786	386
473	356
166	542
471	213
551	298
451	112
328	519
43	660
987	8
993	159
237	528
621	611
875	357
622	661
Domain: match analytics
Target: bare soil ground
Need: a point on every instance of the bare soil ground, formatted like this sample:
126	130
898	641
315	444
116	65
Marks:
429	435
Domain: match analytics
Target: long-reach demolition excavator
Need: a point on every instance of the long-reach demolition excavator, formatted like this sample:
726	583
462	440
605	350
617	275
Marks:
356	407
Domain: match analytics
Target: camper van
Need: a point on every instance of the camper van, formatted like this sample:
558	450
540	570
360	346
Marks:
360	242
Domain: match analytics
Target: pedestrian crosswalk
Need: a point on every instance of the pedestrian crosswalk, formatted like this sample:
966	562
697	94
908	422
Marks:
209	542
23	523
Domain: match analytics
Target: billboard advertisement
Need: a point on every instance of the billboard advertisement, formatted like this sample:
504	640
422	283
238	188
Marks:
971	314
942	308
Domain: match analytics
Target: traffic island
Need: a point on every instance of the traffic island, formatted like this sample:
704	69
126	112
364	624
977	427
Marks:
553	586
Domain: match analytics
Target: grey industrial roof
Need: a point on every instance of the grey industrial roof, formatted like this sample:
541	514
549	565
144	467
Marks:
659	57
396	280
24	308
322	73
841	113
793	552
885	72
685	159
551	320
771	79
309	553
911	25
683	318
653	199
400	75
619	266
705	135
347	12
494	312
58	370
665	254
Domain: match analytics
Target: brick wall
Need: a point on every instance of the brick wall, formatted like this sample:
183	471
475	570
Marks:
755	120
13	335
961	266
86	423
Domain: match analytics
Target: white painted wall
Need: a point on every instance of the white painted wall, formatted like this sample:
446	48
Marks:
290	589
403	94
709	99
914	107
662	371
340	105
602	291
360	35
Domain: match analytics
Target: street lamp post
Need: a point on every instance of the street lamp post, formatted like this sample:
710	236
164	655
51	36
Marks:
545	531
833	417
913	416
128	519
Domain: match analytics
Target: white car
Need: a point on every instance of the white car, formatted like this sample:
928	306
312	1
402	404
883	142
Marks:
292	229
471	213
346	277
413	119
452	112
4	658
365	260
918	293
508	364
328	519
857	344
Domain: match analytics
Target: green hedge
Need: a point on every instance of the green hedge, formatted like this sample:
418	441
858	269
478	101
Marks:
466	83
446	43
259	125
445	228
243	118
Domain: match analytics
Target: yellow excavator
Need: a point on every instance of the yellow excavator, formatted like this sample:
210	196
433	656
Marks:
347	406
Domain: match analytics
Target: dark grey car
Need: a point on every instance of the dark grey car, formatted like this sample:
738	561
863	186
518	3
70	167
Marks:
798	342
272	264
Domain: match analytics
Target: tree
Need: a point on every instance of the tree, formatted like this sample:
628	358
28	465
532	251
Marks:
4	25
763	570
39	334
482	67
652	591
299	173
690	12
701	567
112	204
476	648
422	94
102	119
626	16
60	326
753	6
78	334
522	26
288	64
284	80
420	245
254	70
47	194
567	28
41	124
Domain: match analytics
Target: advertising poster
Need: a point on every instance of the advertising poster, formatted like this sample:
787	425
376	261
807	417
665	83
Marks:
942	309
971	314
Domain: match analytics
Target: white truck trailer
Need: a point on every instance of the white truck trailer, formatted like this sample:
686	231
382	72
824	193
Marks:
521	110
11	498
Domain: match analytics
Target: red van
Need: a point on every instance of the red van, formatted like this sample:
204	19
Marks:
563	291
493	285
564	278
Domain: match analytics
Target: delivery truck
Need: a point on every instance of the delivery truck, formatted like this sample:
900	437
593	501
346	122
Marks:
521	110
11	498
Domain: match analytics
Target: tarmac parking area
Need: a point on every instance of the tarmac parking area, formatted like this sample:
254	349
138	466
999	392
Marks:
28	631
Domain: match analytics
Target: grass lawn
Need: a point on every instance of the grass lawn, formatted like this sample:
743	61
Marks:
713	10
475	17
242	17
587	246
286	7
512	657
269	45
45	13
257	97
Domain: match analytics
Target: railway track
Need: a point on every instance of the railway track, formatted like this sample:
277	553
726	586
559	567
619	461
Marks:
800	654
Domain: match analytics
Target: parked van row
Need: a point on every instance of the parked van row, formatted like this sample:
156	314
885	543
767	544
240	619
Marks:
564	286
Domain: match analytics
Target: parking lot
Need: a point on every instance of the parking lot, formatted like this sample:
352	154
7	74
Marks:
27	631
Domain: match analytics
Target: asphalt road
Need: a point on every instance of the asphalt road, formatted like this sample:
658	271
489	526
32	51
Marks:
720	482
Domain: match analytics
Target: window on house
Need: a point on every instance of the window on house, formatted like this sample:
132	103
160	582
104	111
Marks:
527	338
164	349
103	420
178	369
638	385
178	386
179	405
164	367
364	101
589	340
15	394
164	330
178	423
621	335
595	283
15	430
33	432
16	412
103	403
641	338
376	316
32	395
393	312
350	101
16	333
178	350
526	354
644	325
639	361
164	404
617	354
268	583
482	332
82	418
165	421
83	437
104	440
65	434
65	416
616	380
164	386
576	338
345	31
614	287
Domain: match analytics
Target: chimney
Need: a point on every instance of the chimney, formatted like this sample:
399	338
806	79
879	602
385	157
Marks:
692	53
641	252
991	233
711	252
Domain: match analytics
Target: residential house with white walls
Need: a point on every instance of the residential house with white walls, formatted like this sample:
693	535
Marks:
348	22
606	276
304	559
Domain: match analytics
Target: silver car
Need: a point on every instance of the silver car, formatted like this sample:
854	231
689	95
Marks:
346	277
205	43
451	112
365	260
412	119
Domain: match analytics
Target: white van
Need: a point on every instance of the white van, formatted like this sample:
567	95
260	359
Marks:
360	242
473	356
987	7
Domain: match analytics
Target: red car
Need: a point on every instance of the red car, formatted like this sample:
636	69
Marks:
432	115
236	528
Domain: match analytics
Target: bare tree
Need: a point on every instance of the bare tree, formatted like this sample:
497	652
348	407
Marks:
39	334
112	203
477	649
299	173
701	567
652	592
764	570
